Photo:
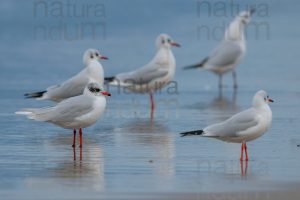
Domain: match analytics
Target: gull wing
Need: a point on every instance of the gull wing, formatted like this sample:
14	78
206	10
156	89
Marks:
233	126
70	88
144	75
69	109
226	53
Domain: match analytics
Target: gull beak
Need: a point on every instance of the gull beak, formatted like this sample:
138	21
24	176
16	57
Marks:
174	44
106	94
270	100
103	58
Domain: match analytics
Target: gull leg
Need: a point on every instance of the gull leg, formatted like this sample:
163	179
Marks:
246	151
152	105
74	138
80	138
242	152
220	81
235	85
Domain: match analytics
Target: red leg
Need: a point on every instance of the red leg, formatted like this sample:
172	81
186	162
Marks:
246	152
80	137
242	152
74	138
152	105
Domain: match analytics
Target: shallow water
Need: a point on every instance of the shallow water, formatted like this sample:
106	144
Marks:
128	154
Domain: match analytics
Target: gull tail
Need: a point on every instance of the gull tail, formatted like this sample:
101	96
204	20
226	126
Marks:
35	94
38	114
199	65
198	132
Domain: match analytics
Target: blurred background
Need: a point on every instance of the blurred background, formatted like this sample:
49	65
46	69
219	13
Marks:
42	43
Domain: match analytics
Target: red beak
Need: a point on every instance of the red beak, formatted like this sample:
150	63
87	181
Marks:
270	100
174	44
104	58
106	94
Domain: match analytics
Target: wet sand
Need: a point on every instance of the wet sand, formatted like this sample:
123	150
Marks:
126	155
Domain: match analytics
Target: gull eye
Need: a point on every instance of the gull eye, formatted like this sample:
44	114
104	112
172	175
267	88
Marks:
97	90
91	89
97	54
169	40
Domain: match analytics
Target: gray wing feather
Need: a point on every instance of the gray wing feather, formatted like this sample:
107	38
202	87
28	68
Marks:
234	125
70	88
225	54
143	75
71	108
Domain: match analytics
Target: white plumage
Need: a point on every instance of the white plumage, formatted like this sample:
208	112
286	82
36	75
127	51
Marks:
244	126
228	54
152	76
93	72
73	113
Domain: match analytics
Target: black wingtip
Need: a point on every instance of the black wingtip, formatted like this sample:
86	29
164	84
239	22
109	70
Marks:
34	94
190	67
198	132
199	65
109	79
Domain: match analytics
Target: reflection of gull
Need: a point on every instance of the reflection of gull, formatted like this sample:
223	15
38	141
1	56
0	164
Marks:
244	169
244	126
69	173
230	51
158	138
223	103
224	106
90	170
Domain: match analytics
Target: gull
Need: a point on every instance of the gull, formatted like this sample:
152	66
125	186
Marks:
152	76
242	127
73	113
74	86
228	54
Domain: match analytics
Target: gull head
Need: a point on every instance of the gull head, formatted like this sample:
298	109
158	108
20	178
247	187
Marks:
235	31
165	41
96	89
245	16
92	54
261	98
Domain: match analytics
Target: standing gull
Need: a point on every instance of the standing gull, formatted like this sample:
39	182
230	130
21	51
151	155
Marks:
73	113
228	54
152	76
74	86
244	126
